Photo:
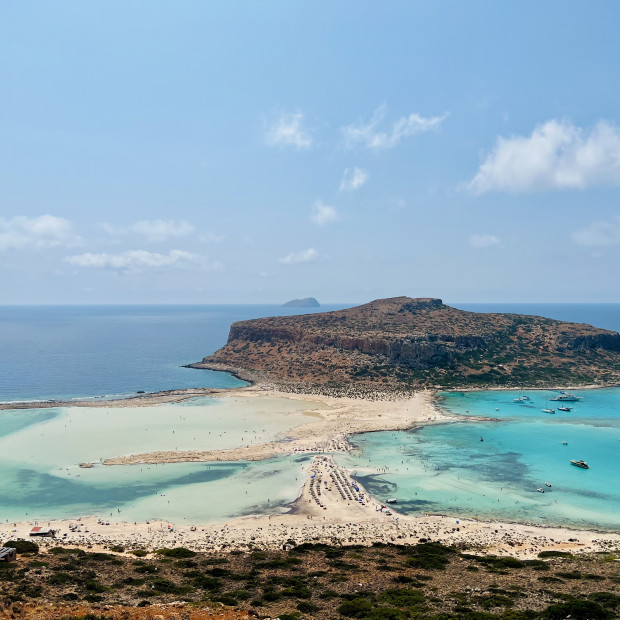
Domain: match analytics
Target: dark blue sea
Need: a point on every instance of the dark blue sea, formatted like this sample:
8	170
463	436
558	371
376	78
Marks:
65	352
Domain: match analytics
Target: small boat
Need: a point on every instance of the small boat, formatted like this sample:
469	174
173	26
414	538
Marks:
567	397
548	410
581	464
481	439
521	399
541	490
565	443
392	500
548	484
565	408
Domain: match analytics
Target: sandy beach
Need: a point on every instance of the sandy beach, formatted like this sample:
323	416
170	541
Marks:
333	420
331	507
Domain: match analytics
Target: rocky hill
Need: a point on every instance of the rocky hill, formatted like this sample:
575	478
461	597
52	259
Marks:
403	343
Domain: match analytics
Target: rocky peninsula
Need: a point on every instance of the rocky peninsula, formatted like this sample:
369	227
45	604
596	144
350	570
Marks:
402	344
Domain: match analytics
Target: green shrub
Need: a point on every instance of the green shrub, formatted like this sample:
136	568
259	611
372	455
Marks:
355	608
555	554
576	610
139	553
22	546
176	552
403	597
430	556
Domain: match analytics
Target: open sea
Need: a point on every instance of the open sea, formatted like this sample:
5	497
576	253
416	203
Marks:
55	352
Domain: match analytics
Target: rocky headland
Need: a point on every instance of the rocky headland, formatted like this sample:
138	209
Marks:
402	344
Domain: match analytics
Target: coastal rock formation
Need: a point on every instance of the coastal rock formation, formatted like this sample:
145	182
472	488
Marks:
403	343
307	302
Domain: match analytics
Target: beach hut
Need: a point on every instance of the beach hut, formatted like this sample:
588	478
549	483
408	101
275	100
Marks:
42	531
8	554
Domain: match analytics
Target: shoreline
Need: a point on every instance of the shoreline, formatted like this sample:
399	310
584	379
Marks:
331	508
339	519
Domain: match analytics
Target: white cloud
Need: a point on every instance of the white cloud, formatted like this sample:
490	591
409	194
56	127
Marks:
483	241
353	179
288	130
45	231
599	233
323	214
153	230
141	260
303	256
211	238
557	155
369	135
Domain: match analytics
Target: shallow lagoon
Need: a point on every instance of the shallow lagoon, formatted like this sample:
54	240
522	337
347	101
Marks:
40	452
447	469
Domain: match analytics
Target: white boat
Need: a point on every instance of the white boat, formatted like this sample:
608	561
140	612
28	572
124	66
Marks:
548	410
581	464
548	484
567	397
392	500
521	399
541	490
565	408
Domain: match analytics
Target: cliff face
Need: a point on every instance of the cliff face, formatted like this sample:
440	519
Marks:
404	343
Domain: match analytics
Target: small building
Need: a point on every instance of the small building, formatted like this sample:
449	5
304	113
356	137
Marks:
8	554
42	531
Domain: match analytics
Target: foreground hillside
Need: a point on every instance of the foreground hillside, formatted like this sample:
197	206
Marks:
403	343
390	582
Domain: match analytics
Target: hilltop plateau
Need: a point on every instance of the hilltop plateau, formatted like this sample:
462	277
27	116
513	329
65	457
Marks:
400	344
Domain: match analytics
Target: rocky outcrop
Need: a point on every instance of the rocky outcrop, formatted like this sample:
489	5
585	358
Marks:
403	343
307	302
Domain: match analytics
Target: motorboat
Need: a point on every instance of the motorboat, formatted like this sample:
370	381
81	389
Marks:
567	397
548	484
392	500
565	443
565	408
548	410
581	464
541	490
521	399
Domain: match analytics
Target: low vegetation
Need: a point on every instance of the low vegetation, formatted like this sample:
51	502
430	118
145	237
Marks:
426	581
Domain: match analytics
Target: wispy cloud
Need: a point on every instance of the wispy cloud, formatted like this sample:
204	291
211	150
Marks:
600	233
303	256
141	260
483	241
323	214
557	155
153	230
370	136
44	231
288	130
352	179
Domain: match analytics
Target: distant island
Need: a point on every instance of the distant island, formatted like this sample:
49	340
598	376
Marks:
308	302
404	344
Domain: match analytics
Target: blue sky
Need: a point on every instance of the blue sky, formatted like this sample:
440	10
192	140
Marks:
253	152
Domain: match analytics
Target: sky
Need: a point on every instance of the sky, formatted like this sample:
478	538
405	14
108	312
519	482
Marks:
255	152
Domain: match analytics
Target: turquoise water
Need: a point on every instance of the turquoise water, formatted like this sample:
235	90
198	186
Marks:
91	351
447	469
40	452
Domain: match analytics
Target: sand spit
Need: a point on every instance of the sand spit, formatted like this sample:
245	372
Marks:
333	420
137	400
332	508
